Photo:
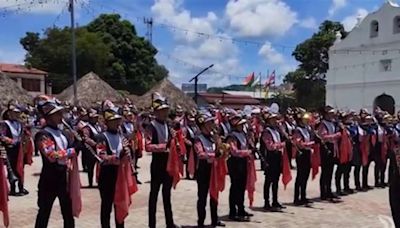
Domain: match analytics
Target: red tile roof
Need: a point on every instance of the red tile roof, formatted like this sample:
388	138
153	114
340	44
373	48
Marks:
229	100
19	69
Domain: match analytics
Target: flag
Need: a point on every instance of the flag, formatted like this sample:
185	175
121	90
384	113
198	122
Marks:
256	82
270	80
249	80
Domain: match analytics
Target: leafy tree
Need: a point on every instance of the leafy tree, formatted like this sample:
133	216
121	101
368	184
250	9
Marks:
108	46
309	79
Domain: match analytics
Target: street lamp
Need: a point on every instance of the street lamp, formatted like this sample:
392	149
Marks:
196	79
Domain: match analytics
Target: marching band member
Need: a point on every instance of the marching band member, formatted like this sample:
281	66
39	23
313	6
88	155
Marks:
115	170
59	176
191	132
207	147
381	149
302	138
289	125
345	155
274	146
11	135
328	133
90	131
158	137
394	180
4	188
237	166
367	145
356	161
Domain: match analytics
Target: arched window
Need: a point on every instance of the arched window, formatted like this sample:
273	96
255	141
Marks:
396	25
374	30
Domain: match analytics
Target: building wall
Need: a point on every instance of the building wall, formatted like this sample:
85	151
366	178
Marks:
356	75
19	77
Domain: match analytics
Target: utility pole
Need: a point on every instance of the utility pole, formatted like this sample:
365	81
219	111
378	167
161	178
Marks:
71	10
149	26
196	79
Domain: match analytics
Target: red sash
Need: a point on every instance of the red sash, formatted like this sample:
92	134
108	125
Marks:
4	194
125	186
286	174
75	188
191	162
345	148
217	179
173	165
251	179
364	148
315	160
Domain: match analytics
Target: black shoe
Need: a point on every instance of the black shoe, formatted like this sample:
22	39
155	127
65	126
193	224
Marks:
297	203
307	201
341	194
138	182
243	219
24	192
358	189
267	207
173	226
278	205
333	196
248	214
219	223
233	218
16	194
349	191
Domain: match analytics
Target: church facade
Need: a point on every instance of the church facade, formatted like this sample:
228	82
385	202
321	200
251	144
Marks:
364	68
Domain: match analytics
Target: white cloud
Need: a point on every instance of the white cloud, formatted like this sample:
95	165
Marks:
309	23
350	21
336	5
200	51
256	18
276	59
270	54
172	12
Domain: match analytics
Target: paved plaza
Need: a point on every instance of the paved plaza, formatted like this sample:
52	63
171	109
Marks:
367	209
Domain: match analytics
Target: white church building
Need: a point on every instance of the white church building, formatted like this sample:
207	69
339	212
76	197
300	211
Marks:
364	68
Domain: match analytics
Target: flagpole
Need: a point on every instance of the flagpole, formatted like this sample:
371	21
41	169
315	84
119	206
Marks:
260	85
266	88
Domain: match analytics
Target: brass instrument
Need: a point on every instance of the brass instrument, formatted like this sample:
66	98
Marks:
223	148
12	178
128	154
79	138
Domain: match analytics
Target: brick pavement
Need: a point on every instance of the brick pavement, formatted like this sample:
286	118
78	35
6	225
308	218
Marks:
368	209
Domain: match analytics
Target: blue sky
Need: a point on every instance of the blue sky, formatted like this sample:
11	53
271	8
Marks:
191	34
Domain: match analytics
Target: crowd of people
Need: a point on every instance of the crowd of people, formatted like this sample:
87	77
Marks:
204	145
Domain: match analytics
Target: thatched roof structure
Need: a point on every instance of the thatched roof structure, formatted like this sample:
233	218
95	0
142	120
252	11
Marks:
174	95
10	90
91	90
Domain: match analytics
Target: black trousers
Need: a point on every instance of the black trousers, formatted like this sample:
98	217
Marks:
52	185
380	165
357	170
394	199
107	179
159	176
327	165
203	185
272	174
237	168
342	171
12	155
365	171
303	163
90	164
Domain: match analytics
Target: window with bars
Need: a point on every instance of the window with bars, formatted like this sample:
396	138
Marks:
386	65
32	85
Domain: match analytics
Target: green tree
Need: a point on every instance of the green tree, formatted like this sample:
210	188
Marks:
108	46
309	79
